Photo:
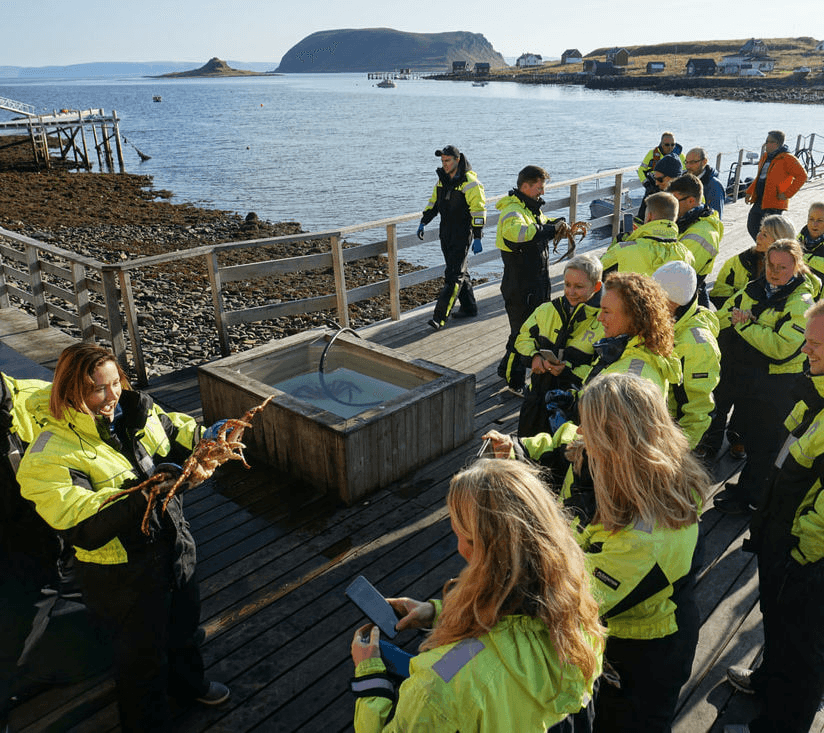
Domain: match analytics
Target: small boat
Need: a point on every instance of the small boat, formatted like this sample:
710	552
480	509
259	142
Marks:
387	84
479	83
157	98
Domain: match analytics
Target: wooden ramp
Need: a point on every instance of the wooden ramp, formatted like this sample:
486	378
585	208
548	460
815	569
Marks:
275	556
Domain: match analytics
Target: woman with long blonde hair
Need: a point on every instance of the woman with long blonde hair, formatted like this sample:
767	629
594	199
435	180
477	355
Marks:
640	547
516	643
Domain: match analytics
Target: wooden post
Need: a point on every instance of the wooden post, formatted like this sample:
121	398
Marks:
616	207
107	145
111	297
97	148
86	160
340	280
36	285
134	329
798	142
5	302
573	203
737	183
812	155
118	145
213	267
392	264
718	163
81	296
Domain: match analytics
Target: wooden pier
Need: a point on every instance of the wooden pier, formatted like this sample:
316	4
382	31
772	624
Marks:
62	134
274	555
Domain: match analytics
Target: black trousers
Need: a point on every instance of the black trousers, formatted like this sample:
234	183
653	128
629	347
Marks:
763	405
790	681
524	286
152	624
652	672
457	285
756	215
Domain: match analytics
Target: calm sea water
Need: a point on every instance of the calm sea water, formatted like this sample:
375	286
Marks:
332	150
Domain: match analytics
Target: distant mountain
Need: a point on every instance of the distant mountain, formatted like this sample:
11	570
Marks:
114	68
385	49
213	67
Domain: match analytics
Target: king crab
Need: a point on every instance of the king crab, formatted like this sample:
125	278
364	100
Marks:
570	231
207	455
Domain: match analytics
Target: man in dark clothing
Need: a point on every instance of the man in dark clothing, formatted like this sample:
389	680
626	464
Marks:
714	194
458	197
523	237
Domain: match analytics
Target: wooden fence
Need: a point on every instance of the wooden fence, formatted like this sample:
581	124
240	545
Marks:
97	298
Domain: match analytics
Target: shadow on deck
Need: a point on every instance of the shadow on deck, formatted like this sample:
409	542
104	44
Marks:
275	556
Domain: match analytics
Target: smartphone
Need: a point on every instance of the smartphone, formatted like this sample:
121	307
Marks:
395	659
366	597
549	355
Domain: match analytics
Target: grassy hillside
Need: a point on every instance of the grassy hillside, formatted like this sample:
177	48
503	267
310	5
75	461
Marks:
789	54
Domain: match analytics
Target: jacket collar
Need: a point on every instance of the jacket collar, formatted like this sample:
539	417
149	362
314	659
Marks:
692	216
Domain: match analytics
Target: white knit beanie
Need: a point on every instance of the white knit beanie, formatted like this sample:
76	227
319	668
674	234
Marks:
678	280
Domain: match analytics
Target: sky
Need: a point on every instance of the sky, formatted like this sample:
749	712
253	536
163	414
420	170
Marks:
59	33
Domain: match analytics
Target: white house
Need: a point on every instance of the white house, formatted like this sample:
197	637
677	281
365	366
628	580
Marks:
572	56
529	59
752	55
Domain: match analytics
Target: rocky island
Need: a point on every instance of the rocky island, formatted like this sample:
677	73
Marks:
384	49
213	68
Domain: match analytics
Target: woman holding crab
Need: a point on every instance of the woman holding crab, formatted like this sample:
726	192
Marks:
99	437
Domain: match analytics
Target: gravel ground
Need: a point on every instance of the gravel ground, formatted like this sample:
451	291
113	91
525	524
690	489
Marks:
111	217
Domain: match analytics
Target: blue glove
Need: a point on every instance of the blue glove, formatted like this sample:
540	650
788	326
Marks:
211	432
477	247
560	398
420	232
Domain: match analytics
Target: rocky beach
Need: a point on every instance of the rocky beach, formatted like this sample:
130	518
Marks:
113	217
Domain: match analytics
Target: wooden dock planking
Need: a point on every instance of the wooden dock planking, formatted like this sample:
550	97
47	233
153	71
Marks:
275	557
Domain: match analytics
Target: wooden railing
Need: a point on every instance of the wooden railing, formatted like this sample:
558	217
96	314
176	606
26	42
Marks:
97	298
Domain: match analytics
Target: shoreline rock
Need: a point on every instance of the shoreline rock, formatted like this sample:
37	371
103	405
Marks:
111	217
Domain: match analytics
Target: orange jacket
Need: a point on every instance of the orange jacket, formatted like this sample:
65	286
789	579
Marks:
785	175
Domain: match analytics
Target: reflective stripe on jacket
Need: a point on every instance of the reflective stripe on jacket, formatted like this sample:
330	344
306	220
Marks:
517	225
70	470
634	569
691	402
637	359
509	679
791	517
651	245
467	209
703	239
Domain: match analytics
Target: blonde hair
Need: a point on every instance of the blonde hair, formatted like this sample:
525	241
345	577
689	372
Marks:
73	381
640	461
662	205
647	305
524	561
778	227
793	248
